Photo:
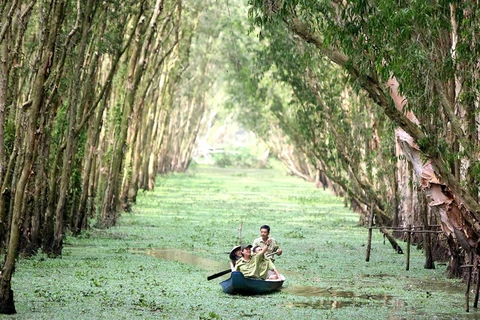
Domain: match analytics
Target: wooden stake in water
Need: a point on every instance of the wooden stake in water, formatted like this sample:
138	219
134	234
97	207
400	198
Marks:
409	240
369	241
477	288
240	234
469	280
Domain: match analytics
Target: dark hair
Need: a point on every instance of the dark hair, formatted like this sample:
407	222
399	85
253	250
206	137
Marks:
265	227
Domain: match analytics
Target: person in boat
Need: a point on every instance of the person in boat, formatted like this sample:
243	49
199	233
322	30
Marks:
256	266
273	247
235	255
256	250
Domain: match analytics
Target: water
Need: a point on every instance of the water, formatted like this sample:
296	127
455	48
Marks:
184	257
336	298
328	298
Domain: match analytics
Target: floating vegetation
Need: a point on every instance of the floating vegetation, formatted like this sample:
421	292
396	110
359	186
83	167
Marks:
154	264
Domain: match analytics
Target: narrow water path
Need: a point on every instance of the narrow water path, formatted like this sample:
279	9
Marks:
207	211
155	263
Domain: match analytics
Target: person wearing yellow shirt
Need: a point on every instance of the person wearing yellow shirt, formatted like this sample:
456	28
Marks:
256	266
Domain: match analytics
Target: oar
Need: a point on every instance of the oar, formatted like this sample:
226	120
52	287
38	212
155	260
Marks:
216	275
271	254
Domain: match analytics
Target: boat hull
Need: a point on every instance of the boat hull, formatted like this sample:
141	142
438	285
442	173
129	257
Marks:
238	284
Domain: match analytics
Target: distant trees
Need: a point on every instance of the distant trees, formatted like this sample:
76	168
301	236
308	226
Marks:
303	106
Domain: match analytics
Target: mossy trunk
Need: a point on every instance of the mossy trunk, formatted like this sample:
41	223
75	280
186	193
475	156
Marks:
3	102
6	296
72	135
136	69
46	51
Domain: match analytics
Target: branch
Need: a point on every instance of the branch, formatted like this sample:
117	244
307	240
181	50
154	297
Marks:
6	24
376	93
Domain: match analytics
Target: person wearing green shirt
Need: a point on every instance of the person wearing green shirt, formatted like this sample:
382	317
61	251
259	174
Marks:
272	247
256	266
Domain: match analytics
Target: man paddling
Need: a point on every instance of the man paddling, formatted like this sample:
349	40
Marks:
272	247
256	266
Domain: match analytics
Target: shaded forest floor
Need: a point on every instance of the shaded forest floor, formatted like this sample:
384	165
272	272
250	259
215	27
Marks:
155	263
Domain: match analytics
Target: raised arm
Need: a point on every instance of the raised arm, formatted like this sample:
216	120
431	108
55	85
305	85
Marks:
265	248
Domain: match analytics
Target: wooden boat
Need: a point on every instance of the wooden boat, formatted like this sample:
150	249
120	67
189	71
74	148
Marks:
238	284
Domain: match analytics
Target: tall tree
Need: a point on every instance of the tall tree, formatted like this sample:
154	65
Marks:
45	54
419	49
136	69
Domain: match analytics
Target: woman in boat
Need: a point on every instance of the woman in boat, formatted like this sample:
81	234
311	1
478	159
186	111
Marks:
235	255
256	266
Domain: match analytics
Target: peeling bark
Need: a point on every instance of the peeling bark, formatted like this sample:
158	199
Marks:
457	208
455	218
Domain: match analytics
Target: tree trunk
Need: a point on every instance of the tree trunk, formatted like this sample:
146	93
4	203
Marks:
3	103
40	193
427	236
48	221
6	294
4	60
136	71
86	201
139	124
72	135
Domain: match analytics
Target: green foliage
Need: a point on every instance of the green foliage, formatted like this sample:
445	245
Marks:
291	84
412	41
9	132
240	157
296	234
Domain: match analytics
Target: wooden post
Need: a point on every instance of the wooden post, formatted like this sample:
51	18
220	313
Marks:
409	239
475	302
469	280
240	234
369	241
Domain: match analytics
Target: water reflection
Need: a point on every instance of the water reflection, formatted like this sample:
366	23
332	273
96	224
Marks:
355	298
310	291
325	304
184	257
426	285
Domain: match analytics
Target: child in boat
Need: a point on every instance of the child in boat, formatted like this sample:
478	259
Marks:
256	266
235	255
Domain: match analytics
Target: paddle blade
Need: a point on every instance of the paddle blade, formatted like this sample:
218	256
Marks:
216	275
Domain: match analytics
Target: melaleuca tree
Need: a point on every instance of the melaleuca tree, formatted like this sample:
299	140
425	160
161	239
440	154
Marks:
411	60
285	83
